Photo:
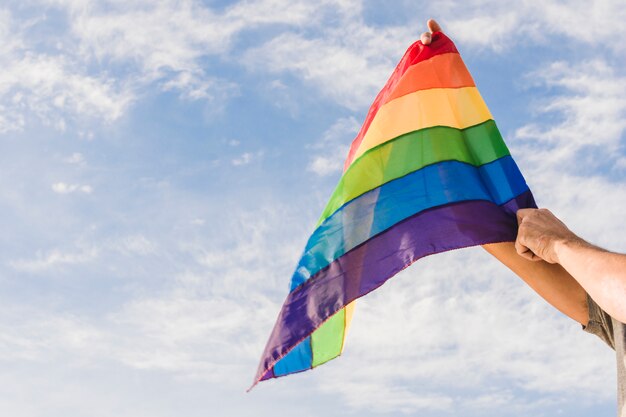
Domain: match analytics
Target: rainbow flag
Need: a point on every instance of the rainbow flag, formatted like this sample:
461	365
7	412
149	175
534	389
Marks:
428	172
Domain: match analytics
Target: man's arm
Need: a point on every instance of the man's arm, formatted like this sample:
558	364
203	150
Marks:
550	281
602	274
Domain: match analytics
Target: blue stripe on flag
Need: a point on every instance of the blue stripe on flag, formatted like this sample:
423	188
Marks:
379	209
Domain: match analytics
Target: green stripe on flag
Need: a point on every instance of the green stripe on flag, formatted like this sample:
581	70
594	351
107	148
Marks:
326	341
476	145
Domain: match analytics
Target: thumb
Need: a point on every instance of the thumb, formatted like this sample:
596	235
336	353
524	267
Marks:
521	213
433	26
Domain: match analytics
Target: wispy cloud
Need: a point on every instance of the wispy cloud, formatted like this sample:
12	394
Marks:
493	24
28	334
347	65
55	257
458	322
75	158
570	156
246	158
201	87
208	321
65	188
331	150
441	336
590	101
133	245
168	41
50	87
112	52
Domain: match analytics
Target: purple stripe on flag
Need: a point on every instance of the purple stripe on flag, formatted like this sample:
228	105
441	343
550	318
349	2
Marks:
268	375
369	265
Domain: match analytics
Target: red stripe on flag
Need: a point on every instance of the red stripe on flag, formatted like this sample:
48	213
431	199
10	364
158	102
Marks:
417	52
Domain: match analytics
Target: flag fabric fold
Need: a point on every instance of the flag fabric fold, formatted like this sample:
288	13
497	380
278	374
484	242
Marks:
428	172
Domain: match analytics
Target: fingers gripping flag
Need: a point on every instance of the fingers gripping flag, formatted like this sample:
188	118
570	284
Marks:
427	173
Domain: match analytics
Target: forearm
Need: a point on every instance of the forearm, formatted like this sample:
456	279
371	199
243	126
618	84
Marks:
601	273
550	281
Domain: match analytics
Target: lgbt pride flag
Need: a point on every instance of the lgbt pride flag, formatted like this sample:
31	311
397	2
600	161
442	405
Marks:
428	172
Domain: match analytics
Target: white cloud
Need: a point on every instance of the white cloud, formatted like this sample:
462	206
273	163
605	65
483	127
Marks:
134	245
331	150
444	335
283	97
64	188
488	29
31	335
347	65
75	158
590	99
211	322
199	86
569	161
349	62
168	44
185	334
323	166
112	51
10	120
85	253
497	25
167	40
246	158
459	322
290	12
208	321
156	35
55	257
89	135
153	42
50	87
370	395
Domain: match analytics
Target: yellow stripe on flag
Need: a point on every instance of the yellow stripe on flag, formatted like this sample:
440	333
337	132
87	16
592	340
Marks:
425	108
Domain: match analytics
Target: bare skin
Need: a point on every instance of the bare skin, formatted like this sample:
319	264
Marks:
544	238
433	26
551	281
561	267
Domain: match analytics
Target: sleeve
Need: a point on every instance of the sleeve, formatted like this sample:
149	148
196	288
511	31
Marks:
600	323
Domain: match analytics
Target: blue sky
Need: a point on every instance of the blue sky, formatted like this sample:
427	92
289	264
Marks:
162	164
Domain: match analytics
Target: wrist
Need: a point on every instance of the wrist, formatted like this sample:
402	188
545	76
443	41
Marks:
561	246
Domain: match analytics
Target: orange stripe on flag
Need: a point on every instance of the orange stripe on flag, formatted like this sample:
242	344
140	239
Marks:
440	71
